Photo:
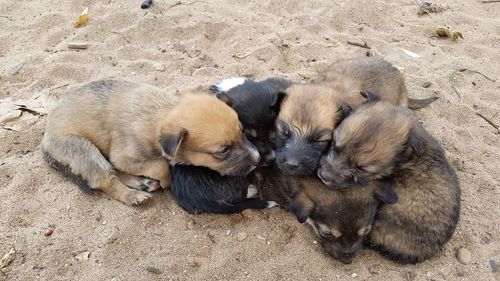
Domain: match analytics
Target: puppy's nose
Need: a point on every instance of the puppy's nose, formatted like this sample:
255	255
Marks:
346	258
292	163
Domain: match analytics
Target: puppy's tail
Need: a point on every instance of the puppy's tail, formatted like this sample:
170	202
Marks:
66	172
420	103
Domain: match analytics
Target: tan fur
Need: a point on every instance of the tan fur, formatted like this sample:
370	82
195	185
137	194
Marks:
350	76
123	122
397	147
310	107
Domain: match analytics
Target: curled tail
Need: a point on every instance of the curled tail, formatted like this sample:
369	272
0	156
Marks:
420	103
66	172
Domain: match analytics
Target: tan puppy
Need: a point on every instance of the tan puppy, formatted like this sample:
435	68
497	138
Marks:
382	141
114	135
310	113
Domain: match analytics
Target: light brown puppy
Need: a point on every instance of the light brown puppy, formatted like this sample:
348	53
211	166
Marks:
382	141
114	135
309	113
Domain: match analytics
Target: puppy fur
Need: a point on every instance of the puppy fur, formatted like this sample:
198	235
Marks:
380	140
199	189
310	113
341	219
114	136
257	105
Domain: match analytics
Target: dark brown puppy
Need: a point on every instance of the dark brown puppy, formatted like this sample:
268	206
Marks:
310	113
111	135
341	219
380	140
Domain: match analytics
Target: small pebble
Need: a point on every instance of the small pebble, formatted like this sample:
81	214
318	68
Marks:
464	256
427	84
153	269
146	4
354	275
115	279
315	242
374	269
241	236
228	232
48	232
494	266
83	256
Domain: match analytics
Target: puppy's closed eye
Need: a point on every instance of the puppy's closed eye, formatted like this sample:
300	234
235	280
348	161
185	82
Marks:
223	152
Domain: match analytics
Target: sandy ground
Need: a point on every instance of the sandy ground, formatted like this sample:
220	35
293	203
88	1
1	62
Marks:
182	44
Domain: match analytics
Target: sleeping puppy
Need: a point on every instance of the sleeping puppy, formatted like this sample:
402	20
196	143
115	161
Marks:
198	189
341	219
257	105
382	141
201	190
309	113
119	137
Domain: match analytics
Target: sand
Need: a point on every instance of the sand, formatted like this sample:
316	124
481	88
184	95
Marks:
178	45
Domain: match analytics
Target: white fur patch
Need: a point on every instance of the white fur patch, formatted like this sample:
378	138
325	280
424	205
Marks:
252	191
271	204
227	84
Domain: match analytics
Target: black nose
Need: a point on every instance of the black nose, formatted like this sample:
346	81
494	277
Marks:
346	258
292	164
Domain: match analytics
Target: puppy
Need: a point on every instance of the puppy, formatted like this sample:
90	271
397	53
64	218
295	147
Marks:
257	105
114	136
310	113
341	219
199	189
382	141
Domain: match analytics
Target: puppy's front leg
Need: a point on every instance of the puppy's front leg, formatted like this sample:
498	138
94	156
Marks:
156	169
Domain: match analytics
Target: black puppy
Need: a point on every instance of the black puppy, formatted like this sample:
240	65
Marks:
198	189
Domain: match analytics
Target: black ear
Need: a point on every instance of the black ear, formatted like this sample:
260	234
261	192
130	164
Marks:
171	142
224	98
277	100
369	96
415	142
386	193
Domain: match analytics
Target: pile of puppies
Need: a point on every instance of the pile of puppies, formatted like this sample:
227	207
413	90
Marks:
343	153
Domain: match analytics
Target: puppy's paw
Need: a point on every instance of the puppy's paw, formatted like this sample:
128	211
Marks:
252	191
136	197
151	185
165	184
271	204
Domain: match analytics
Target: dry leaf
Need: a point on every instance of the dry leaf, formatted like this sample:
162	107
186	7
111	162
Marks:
445	31
82	18
8	258
411	54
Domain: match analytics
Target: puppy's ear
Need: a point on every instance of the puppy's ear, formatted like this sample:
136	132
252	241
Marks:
369	96
224	98
170	142
302	207
415	142
386	193
277	100
344	111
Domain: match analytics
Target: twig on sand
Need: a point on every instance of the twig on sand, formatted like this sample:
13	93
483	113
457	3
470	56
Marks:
6	17
488	120
490	1
451	78
359	44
